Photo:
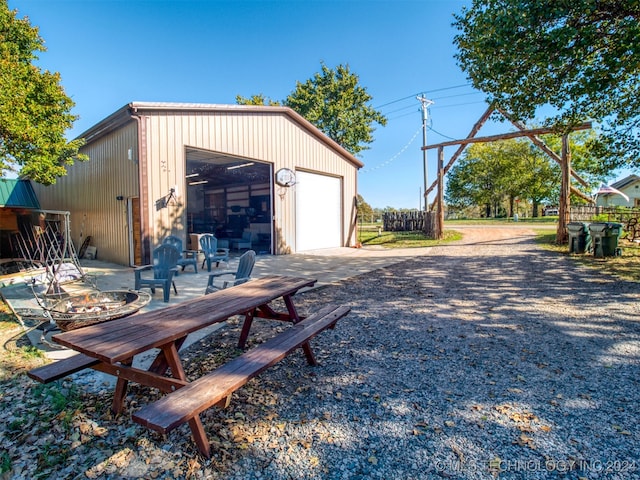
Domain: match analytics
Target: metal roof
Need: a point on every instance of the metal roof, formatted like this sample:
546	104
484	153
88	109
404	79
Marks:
625	182
125	113
16	193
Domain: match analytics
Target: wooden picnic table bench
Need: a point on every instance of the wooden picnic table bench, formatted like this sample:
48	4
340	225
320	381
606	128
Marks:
110	347
62	368
215	388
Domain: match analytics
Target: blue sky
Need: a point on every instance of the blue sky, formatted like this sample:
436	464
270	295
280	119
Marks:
110	53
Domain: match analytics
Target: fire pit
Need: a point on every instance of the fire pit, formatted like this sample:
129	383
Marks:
84	310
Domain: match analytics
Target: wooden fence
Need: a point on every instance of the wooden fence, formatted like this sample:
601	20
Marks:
403	221
586	213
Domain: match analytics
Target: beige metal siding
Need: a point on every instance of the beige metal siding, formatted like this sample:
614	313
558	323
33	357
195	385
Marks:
89	193
276	136
272	138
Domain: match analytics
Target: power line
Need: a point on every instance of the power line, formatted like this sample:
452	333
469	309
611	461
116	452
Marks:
390	160
405	115
419	93
459	104
441	134
401	109
459	95
429	126
436	107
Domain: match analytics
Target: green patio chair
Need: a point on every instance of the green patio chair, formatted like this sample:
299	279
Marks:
164	267
241	275
187	257
209	246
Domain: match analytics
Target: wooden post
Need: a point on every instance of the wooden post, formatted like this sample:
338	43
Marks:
565	192
476	128
440	232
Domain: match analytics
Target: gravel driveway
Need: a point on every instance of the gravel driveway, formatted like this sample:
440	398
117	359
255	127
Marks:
487	358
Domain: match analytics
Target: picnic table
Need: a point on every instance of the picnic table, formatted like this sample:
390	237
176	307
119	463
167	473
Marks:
110	347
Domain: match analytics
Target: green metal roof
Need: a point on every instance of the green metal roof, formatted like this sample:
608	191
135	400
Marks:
17	194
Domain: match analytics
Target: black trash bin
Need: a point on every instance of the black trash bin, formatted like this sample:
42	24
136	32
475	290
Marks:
604	236
579	237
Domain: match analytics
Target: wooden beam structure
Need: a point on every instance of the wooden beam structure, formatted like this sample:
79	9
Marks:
578	193
476	128
504	136
440	220
565	183
565	164
543	146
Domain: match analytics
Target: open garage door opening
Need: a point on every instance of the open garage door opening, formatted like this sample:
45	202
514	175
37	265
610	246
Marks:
230	197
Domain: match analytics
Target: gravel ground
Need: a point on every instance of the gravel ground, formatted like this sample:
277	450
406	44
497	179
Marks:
488	358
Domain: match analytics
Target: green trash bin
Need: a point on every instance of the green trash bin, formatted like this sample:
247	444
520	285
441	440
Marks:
604	236
579	237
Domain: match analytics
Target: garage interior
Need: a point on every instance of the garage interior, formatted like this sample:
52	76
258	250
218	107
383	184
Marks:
230	197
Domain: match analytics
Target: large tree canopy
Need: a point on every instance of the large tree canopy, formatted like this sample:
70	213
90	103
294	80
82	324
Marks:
34	109
491	173
334	102
581	57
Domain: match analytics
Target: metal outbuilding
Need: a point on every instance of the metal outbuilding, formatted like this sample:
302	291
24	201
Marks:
18	201
259	172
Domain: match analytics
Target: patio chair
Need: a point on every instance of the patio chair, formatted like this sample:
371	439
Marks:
212	253
187	257
241	275
164	267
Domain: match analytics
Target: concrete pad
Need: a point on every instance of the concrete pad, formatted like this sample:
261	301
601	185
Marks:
327	266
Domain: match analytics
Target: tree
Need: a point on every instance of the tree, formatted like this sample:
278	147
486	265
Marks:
491	173
258	99
481	177
583	160
578	56
34	109
541	179
335	103
365	212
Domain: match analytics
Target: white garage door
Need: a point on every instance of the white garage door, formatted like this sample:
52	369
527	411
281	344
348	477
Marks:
318	211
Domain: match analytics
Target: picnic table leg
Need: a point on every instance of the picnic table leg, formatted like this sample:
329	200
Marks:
295	318
246	326
195	424
120	391
199	436
311	359
173	360
293	313
265	311
160	363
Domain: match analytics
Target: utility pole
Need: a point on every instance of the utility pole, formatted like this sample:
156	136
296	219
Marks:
425	104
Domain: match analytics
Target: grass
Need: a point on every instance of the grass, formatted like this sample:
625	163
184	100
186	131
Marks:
15	356
5	462
625	266
370	236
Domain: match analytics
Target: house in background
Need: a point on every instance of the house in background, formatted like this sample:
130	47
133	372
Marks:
630	186
237	171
